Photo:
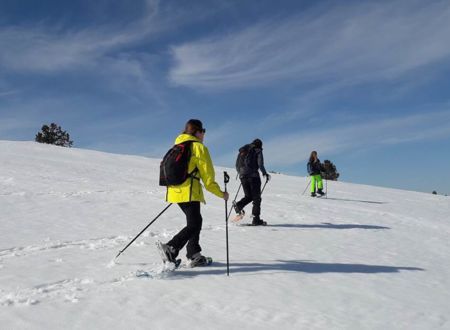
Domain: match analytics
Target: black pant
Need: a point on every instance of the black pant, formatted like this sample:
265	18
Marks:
191	233
252	191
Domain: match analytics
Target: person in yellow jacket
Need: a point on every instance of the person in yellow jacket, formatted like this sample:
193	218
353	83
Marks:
189	194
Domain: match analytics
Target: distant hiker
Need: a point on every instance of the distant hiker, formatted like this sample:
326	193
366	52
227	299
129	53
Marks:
314	169
249	161
189	193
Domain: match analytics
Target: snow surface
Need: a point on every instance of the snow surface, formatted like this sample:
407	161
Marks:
365	258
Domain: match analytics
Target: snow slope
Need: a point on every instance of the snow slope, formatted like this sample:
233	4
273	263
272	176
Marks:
365	258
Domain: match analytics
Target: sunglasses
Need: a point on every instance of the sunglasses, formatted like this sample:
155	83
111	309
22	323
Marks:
203	130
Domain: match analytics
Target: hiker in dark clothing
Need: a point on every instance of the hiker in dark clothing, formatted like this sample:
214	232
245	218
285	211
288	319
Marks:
314	168
248	162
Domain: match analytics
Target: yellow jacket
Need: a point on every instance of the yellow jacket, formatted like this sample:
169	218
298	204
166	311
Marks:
201	160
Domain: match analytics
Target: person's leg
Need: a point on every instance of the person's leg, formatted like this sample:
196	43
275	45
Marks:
313	184
247	188
256	195
192	229
319	182
193	245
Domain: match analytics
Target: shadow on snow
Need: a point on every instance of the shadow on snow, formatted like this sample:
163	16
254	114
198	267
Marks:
327	225
355	200
294	266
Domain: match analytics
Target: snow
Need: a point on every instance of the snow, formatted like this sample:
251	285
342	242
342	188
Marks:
364	258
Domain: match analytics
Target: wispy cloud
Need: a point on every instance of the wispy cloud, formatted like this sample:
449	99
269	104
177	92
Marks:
112	56
289	149
285	150
42	48
8	93
349	43
47	48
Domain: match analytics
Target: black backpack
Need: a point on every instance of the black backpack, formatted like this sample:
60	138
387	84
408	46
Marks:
246	158
173	169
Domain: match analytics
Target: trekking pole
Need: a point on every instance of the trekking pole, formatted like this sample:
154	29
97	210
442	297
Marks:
143	230
267	180
326	188
235	197
226	179
306	187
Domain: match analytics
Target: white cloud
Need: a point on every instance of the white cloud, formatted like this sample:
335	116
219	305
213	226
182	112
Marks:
349	43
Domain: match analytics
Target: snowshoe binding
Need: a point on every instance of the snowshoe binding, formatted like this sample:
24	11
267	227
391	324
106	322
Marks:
239	213
168	254
199	260
259	223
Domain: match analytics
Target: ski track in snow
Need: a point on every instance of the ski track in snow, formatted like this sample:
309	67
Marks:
90	244
66	194
73	289
366	258
69	290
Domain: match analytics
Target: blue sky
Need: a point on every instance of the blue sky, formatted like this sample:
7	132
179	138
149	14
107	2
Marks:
366	84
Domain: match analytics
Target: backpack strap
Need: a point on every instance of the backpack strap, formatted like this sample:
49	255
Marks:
192	175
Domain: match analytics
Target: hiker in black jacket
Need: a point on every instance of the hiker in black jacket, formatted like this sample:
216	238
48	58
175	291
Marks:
248	162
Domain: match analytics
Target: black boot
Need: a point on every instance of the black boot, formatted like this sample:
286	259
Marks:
320	192
258	222
238	210
313	194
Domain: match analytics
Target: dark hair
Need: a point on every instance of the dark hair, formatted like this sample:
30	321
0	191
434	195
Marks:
257	143
193	126
311	157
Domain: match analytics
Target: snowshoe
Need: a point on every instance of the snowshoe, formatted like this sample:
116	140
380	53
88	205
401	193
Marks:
199	260
239	213
238	217
167	252
259	223
252	224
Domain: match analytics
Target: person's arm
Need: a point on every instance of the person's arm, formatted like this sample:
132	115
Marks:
260	159
308	168
237	163
206	170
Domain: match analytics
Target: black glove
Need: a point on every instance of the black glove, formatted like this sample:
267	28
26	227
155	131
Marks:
267	175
